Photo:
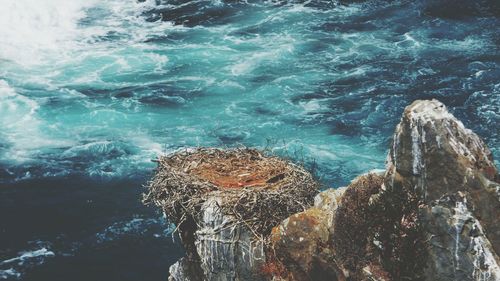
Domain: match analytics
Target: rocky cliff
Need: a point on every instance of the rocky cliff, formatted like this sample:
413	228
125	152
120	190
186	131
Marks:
433	214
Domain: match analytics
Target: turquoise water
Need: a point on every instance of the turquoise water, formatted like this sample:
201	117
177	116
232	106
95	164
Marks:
91	91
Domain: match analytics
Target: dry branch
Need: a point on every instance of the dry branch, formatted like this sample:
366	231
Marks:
258	190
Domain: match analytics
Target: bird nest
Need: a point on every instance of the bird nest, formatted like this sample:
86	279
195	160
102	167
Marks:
258	190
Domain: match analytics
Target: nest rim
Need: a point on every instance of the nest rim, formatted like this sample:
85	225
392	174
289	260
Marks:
289	188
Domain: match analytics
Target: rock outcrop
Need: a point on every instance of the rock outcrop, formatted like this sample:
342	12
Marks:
458	247
300	240
224	250
331	241
451	171
433	215
227	251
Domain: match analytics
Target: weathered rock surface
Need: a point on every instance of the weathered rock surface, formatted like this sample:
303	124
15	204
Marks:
185	269
300	240
433	215
457	245
451	171
225	251
329	241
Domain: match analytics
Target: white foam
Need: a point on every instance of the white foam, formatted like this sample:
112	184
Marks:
27	26
21	128
17	120
43	252
34	32
277	48
313	105
13	268
10	273
135	226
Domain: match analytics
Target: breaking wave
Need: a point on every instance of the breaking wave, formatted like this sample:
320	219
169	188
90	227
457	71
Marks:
91	91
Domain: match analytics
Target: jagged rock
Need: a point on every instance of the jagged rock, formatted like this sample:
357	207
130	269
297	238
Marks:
435	157
435	154
329	241
458	247
351	240
225	251
299	241
185	270
433	215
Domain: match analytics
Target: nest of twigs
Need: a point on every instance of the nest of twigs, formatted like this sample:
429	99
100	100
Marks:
257	190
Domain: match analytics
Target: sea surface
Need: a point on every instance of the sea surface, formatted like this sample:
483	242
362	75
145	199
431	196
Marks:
91	91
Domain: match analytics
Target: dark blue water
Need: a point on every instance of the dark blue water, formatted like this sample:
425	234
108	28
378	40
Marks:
91	91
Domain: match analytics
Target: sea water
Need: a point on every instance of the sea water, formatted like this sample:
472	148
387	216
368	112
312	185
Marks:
91	91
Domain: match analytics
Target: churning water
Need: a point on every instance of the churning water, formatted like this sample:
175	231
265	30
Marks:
91	91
